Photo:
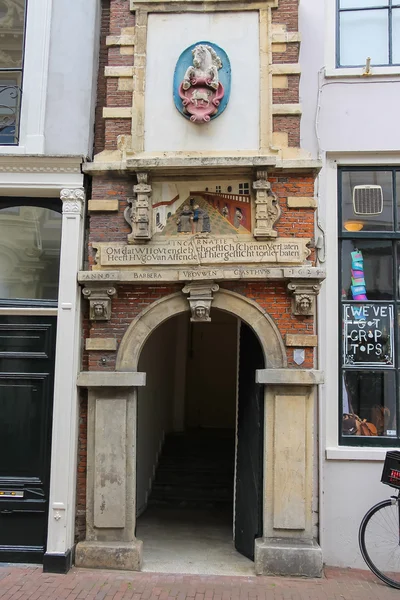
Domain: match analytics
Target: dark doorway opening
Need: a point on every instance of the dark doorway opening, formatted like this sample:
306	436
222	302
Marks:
200	422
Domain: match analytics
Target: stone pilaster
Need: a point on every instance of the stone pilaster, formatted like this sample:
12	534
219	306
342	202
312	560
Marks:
139	210
268	210
60	540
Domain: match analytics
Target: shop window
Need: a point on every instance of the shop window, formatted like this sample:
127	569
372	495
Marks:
368	28
12	33
369	241
30	241
244	189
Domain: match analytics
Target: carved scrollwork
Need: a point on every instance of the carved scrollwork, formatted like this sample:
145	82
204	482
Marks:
72	200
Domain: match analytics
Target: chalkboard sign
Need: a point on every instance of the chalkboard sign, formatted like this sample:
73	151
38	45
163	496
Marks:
368	335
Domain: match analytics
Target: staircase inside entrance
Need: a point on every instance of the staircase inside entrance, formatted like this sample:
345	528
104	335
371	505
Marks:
195	470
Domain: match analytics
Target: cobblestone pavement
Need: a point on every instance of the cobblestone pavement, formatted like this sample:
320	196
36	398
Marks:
23	583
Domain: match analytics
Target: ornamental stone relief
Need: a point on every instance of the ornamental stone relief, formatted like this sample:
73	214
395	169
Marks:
202	82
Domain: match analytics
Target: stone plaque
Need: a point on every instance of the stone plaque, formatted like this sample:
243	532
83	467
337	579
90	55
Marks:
203	251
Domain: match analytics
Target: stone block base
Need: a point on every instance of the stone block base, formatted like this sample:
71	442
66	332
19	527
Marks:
126	556
292	557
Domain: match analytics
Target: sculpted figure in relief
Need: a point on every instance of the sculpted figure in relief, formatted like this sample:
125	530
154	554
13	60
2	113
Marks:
206	64
201	91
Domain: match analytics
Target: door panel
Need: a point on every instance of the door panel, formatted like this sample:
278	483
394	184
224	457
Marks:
27	347
249	467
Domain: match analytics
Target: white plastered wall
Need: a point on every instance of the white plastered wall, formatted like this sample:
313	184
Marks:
347	119
155	405
238	127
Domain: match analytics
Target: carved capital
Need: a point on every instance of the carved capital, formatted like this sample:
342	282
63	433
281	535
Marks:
304	293
99	302
72	200
200	299
268	210
138	212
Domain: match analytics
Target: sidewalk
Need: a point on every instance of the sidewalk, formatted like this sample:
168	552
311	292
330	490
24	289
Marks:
27	582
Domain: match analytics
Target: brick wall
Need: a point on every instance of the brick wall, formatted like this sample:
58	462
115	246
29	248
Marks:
132	299
116	17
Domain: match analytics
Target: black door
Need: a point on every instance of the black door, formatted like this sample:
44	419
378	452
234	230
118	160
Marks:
27	347
249	467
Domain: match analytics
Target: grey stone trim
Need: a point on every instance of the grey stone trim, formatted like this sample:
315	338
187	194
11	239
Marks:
126	556
96	379
292	557
289	376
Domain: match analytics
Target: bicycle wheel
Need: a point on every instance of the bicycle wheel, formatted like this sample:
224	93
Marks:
379	539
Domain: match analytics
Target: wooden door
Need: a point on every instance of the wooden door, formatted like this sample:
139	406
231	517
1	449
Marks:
27	347
249	467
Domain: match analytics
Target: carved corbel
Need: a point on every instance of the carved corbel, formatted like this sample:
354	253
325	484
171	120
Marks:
200	299
268	210
138	212
99	302
304	293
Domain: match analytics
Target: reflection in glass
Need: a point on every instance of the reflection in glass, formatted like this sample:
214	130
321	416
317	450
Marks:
363	222
377	267
364	33
10	104
29	253
12	26
368	403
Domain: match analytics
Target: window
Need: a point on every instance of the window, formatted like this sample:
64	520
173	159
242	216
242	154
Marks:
369	255
12	34
244	189
30	242
218	189
368	28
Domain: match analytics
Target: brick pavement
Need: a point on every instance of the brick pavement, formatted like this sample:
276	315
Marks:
30	583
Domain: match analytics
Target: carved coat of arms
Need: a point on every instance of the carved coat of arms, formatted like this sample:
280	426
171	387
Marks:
200	93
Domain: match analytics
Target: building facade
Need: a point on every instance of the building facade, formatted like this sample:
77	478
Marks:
47	98
349	92
202	278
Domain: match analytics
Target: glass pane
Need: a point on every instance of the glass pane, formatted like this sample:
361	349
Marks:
364	33
367	201
367	270
369	403
10	103
396	35
362	3
368	335
29	252
12	27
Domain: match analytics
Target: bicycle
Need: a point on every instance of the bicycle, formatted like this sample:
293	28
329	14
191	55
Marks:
379	533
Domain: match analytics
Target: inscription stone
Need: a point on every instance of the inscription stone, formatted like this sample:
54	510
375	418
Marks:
204	251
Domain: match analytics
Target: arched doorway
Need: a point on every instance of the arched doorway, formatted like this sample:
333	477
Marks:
199	452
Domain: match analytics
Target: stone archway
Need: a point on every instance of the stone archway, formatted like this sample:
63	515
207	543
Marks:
288	545
245	309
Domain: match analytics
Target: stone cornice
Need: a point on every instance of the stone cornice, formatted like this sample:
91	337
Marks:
40	164
200	5
178	165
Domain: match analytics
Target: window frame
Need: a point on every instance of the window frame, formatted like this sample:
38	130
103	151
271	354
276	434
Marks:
3	72
392	4
394	238
36	67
